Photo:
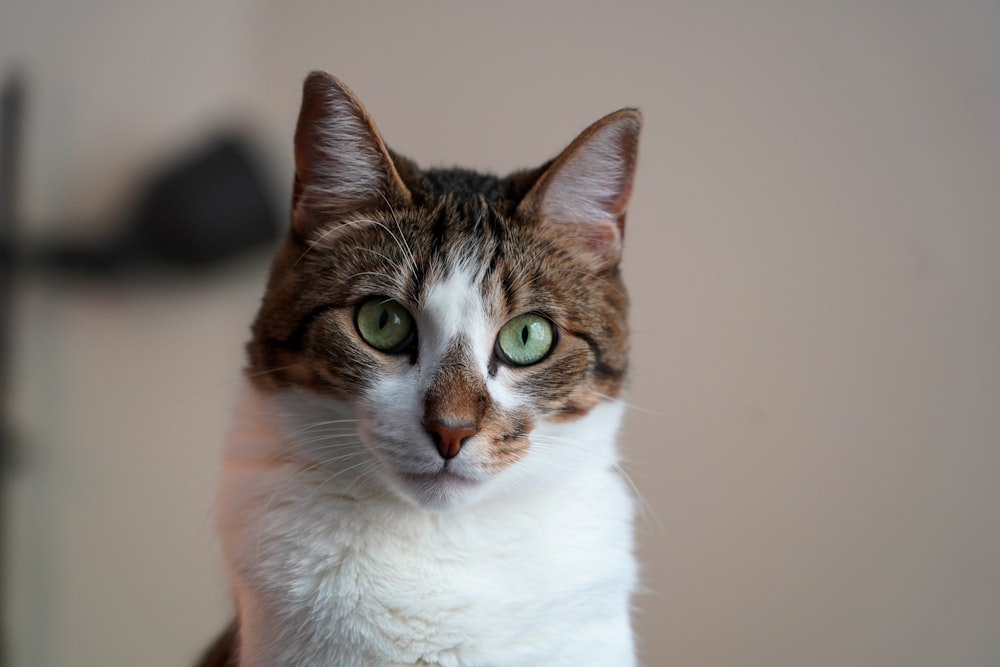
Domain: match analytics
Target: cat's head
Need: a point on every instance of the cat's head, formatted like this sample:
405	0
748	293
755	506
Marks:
445	335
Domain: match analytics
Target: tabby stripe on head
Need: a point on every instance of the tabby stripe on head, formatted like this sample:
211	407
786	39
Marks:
439	230
498	233
496	226
509	291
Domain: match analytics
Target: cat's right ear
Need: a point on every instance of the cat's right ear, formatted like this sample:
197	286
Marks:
341	163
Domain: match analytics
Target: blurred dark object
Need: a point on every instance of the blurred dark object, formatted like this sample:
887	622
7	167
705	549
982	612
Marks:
203	209
11	113
195	212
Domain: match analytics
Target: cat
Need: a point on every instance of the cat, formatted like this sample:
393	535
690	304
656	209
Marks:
423	469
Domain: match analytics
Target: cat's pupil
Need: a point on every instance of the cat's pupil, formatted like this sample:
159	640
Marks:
383	319
524	335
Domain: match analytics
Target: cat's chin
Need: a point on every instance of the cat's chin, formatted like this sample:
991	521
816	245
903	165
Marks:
439	491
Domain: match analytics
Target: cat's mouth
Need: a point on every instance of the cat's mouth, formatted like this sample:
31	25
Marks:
439	491
436	480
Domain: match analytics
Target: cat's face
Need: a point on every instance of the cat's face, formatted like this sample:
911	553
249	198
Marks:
445	335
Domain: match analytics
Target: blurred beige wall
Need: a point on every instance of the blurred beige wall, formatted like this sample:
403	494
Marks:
813	254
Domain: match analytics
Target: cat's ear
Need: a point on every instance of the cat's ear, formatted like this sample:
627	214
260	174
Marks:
341	162
584	192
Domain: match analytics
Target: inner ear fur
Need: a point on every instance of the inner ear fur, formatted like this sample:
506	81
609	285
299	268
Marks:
341	163
584	192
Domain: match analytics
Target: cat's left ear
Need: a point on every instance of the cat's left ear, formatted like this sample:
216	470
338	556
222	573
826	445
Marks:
584	192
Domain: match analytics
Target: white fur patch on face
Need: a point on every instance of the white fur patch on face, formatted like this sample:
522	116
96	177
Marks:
561	448
452	311
454	307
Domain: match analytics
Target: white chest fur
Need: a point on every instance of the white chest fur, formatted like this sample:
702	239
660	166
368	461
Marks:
331	573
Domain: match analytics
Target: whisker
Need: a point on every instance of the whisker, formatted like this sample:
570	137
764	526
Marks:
384	283
589	274
527	265
294	479
409	252
632	406
644	508
339	473
312	245
268	371
400	241
323	424
345	424
326	437
365	477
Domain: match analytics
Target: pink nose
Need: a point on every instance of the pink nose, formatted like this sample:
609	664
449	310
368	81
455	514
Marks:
449	439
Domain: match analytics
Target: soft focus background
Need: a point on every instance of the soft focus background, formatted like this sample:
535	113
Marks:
813	254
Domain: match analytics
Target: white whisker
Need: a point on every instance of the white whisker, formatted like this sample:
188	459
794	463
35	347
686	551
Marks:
402	237
632	406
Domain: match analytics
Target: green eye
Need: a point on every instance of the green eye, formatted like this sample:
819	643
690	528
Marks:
525	340
384	324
